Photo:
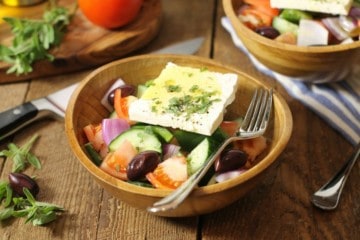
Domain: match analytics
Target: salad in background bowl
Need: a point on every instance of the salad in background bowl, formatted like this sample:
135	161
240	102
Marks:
298	42
86	108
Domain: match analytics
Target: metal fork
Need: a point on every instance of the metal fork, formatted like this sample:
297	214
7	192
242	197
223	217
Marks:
328	196
253	125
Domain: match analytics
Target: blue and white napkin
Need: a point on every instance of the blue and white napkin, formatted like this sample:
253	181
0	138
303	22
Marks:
337	102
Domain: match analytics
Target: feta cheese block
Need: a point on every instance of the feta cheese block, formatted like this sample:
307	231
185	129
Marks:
191	99
336	7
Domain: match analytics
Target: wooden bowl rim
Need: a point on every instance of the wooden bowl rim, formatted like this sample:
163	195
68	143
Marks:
247	32
286	129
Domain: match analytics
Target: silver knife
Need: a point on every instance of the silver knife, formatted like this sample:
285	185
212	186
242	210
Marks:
54	105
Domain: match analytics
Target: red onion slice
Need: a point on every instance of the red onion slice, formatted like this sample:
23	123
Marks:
334	26
229	175
112	127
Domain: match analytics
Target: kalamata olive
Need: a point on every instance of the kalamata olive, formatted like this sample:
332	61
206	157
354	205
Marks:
231	160
126	90
142	164
19	181
268	32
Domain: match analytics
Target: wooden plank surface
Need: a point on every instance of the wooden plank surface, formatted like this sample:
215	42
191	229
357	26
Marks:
279	208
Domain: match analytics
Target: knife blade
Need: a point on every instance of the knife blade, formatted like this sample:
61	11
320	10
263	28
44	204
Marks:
54	105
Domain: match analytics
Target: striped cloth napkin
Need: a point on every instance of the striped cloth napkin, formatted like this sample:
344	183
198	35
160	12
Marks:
337	102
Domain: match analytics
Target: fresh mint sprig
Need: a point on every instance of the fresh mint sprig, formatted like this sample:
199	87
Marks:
33	39
21	156
38	213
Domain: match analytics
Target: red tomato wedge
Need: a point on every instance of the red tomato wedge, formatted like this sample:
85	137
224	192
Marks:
121	105
264	7
169	174
93	133
253	147
262	18
230	127
115	163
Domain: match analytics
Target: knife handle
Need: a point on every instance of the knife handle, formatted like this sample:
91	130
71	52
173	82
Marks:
15	118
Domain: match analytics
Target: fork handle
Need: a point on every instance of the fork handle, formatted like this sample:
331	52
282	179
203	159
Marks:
177	196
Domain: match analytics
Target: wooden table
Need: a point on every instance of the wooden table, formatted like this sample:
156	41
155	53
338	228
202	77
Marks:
279	208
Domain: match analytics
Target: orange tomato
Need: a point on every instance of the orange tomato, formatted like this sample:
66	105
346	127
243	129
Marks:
121	105
169	174
116	163
110	13
93	133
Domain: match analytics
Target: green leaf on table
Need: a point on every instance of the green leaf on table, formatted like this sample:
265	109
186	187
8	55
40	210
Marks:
33	38
21	156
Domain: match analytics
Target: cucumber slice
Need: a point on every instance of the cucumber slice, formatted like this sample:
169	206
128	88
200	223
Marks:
163	133
141	139
189	140
93	154
294	15
140	90
200	155
113	115
284	26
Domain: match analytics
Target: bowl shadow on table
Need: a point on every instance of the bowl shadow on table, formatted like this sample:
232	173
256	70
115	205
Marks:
83	110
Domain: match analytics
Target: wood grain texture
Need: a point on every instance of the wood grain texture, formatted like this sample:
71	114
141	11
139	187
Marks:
279	208
86	45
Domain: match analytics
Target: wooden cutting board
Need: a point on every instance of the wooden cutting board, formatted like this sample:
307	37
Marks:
84	45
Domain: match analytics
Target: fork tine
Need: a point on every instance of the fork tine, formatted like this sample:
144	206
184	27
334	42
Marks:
267	110
249	113
258	112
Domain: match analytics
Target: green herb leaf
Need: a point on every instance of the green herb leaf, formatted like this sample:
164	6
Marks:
38	213
21	156
6	213
33	39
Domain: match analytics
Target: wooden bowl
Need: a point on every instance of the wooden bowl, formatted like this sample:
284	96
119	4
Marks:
289	59
85	107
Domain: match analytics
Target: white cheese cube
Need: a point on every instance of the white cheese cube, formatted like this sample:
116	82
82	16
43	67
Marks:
336	7
312	33
186	98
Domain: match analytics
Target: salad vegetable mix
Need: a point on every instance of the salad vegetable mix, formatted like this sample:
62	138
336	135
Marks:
159	157
299	27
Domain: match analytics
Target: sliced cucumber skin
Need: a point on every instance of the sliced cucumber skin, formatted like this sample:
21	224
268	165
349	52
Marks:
200	154
189	140
163	133
140	90
294	15
284	26
94	156
142	140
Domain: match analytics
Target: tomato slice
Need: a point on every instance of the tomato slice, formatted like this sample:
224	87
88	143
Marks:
230	127
263	6
116	163
121	105
253	147
93	133
169	174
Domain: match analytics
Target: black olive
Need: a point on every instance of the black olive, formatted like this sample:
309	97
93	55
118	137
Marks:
268	32
231	160
19	181
142	164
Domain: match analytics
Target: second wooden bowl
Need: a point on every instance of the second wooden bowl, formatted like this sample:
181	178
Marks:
289	59
85	108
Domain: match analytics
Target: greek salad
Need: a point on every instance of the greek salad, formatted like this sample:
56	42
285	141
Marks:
302	27
162	157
